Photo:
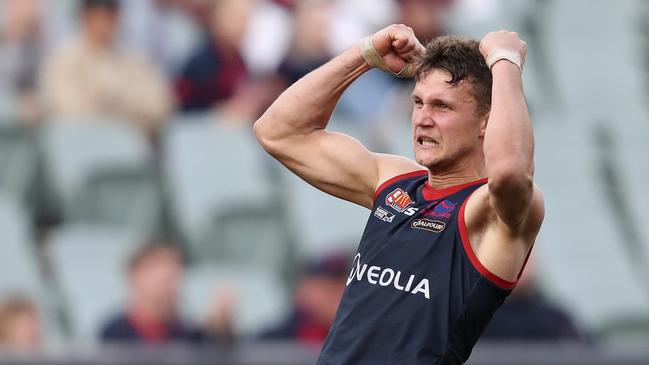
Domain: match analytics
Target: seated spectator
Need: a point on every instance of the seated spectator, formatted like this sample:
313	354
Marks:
309	49
316	300
91	76
154	274
216	78
20	324
528	316
166	30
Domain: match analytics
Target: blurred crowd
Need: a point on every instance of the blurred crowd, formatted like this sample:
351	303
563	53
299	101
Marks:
147	62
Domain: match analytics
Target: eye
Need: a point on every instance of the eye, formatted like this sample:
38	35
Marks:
418	103
443	106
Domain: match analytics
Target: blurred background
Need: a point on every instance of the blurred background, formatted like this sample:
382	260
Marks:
142	224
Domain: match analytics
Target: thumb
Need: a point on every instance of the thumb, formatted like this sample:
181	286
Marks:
399	43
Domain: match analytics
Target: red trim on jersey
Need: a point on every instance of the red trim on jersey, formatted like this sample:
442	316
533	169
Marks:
430	193
468	249
397	178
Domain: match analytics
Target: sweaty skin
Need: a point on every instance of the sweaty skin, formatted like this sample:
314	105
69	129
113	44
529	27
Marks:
450	139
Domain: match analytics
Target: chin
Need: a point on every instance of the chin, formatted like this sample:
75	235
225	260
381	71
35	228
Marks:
427	159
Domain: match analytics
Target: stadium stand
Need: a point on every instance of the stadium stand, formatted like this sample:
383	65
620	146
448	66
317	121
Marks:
101	172
260	299
19	163
89	269
224	202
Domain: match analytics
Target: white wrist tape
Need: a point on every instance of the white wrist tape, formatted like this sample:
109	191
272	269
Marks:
374	59
502	54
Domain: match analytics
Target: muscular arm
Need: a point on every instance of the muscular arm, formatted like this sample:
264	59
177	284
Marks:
504	217
293	128
508	141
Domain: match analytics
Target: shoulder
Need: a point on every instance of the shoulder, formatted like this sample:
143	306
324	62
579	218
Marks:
116	328
392	168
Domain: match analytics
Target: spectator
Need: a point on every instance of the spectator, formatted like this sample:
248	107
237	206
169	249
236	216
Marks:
20	324
316	300
21	48
216	78
426	17
269	35
527	316
167	30
154	274
90	76
216	70
309	48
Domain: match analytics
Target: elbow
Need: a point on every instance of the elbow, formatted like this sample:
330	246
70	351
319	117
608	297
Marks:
516	183
262	133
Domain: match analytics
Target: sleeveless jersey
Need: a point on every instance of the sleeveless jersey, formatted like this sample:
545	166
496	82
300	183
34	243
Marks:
416	293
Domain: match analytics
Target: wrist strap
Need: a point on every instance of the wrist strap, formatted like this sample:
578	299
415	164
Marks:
374	59
502	54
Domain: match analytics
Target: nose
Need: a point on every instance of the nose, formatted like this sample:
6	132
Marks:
423	121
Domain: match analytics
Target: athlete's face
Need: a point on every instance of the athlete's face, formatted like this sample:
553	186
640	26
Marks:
446	125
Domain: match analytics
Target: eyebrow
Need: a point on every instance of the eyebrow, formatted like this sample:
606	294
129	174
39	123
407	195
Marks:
435	100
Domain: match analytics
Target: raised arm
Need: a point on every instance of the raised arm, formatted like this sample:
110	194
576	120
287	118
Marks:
293	128
508	141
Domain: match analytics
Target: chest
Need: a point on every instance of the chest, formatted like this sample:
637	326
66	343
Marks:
403	224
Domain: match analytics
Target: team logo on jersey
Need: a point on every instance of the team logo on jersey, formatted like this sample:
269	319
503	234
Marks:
399	200
383	214
443	209
433	226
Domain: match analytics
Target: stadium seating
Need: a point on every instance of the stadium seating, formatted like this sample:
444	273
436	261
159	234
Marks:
89	264
22	274
19	163
18	258
223	200
260	299
630	143
252	237
129	198
7	105
107	157
581	250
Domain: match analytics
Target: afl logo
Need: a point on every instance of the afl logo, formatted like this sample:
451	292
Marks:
399	200
433	226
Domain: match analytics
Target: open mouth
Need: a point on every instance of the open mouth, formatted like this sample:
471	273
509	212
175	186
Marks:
426	142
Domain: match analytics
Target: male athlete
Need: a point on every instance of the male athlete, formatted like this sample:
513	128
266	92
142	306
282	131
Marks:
449	234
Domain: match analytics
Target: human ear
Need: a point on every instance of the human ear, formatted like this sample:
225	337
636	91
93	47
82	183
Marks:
483	124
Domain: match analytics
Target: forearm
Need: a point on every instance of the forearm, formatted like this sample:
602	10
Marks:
308	104
509	144
509	141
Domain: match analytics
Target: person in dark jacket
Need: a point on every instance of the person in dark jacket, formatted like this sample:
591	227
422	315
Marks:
151	316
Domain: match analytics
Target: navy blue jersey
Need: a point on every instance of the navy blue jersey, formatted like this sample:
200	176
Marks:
416	293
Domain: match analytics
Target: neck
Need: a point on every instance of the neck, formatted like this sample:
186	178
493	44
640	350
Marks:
464	171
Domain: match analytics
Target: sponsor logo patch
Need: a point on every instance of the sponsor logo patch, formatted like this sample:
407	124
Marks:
398	200
433	226
383	215
388	277
443	209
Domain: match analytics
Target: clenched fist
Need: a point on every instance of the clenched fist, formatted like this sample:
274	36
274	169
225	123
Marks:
502	40
397	46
